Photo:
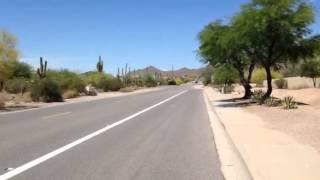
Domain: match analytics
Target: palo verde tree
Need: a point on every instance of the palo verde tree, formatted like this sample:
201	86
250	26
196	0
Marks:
8	54
311	69
221	45
275	29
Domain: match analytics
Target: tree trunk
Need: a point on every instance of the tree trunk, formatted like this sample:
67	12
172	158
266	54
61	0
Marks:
1	85
314	82
246	85
269	83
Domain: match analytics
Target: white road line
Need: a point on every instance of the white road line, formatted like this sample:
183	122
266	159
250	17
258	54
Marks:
62	149
55	115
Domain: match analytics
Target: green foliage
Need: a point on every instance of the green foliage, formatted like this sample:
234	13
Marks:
116	84
8	50
225	75
46	90
207	74
149	81
179	81
311	69
276	31
67	80
281	83
259	75
289	103
97	80
172	82
42	70
21	70
15	86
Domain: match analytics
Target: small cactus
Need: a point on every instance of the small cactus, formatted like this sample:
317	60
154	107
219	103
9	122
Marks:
289	103
42	71
100	65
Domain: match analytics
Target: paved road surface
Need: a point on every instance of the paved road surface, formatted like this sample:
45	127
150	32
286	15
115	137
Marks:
165	139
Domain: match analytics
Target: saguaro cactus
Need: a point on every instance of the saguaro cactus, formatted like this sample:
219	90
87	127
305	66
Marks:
100	65
42	70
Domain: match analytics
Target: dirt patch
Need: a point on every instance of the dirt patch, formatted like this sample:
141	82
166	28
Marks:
302	123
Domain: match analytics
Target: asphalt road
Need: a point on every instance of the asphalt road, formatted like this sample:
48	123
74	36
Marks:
163	135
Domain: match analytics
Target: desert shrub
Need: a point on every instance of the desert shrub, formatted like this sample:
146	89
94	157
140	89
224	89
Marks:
281	83
69	94
149	81
179	81
46	90
116	84
289	103
98	80
172	82
16	86
257	96
272	102
259	75
207	75
67	80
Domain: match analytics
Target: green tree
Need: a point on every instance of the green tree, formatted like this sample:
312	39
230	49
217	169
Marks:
276	30
8	52
222	45
311	69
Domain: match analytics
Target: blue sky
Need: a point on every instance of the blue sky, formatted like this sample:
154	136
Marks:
73	33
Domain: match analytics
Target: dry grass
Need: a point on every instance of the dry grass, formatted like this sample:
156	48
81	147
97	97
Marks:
70	94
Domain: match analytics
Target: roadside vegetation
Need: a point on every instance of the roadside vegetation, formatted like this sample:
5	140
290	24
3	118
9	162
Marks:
20	82
265	43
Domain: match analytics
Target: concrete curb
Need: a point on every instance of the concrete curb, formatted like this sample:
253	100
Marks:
233	166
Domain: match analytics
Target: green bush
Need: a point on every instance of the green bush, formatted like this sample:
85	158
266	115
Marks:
281	83
21	70
116	84
67	80
172	82
149	81
98	80
259	75
289	103
179	81
46	90
16	86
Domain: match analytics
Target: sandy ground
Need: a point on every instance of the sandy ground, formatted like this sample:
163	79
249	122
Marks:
275	143
16	105
302	123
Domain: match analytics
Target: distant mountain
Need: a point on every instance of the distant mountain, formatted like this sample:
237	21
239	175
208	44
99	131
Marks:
183	72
